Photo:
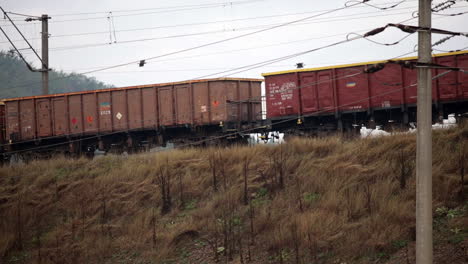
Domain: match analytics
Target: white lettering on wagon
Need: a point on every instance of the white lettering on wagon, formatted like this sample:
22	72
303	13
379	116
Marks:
285	90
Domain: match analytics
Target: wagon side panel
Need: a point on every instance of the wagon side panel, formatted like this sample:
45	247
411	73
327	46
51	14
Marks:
60	116
325	91
119	110
135	116
76	114
256	95
201	106
462	62
12	121
44	121
217	101
150	113
447	84
183	104
90	114
386	87
282	95
308	92
105	105
353	90
26	117
166	106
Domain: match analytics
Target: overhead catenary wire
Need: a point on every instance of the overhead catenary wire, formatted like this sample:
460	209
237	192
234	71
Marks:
18	14
211	43
67	48
232	20
217	5
213	4
102	44
161	10
24	38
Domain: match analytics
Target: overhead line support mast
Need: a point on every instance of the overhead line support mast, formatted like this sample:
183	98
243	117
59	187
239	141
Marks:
45	50
424	245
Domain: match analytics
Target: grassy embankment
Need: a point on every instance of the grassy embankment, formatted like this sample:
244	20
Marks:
308	201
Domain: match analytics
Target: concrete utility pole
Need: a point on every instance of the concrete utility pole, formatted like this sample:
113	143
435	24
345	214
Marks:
45	54
424	141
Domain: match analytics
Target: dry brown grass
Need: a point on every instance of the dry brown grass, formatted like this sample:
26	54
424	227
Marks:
309	200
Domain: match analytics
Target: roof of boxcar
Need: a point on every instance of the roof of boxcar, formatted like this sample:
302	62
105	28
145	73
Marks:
357	64
134	87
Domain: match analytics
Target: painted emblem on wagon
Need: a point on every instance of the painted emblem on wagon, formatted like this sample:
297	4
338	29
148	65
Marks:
105	108
351	84
119	116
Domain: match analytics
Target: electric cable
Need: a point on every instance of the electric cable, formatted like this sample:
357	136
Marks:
208	44
196	33
217	5
230	20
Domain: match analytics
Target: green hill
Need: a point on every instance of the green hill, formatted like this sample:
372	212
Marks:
17	80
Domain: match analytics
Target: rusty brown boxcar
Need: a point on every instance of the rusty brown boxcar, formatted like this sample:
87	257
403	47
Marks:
212	103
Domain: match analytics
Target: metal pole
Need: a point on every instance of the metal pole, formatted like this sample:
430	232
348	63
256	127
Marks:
424	141
45	54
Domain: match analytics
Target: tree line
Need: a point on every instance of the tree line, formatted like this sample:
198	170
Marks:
16	80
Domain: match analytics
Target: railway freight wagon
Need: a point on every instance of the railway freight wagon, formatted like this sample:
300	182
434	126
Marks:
125	118
340	97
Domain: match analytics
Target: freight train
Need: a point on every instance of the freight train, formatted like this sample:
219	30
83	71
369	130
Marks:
302	101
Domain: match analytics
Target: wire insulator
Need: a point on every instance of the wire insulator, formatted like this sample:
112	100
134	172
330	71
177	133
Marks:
374	31
442	40
443	6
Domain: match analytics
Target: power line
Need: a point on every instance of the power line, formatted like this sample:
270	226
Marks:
186	8
24	38
219	21
212	43
218	4
205	33
225	40
202	33
201	46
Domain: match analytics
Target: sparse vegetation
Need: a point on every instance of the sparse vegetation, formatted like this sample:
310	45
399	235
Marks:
315	200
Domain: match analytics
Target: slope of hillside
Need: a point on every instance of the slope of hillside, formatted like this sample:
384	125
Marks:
18	81
323	200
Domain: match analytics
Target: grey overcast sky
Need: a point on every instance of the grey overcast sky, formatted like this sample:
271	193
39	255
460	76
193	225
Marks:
80	33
